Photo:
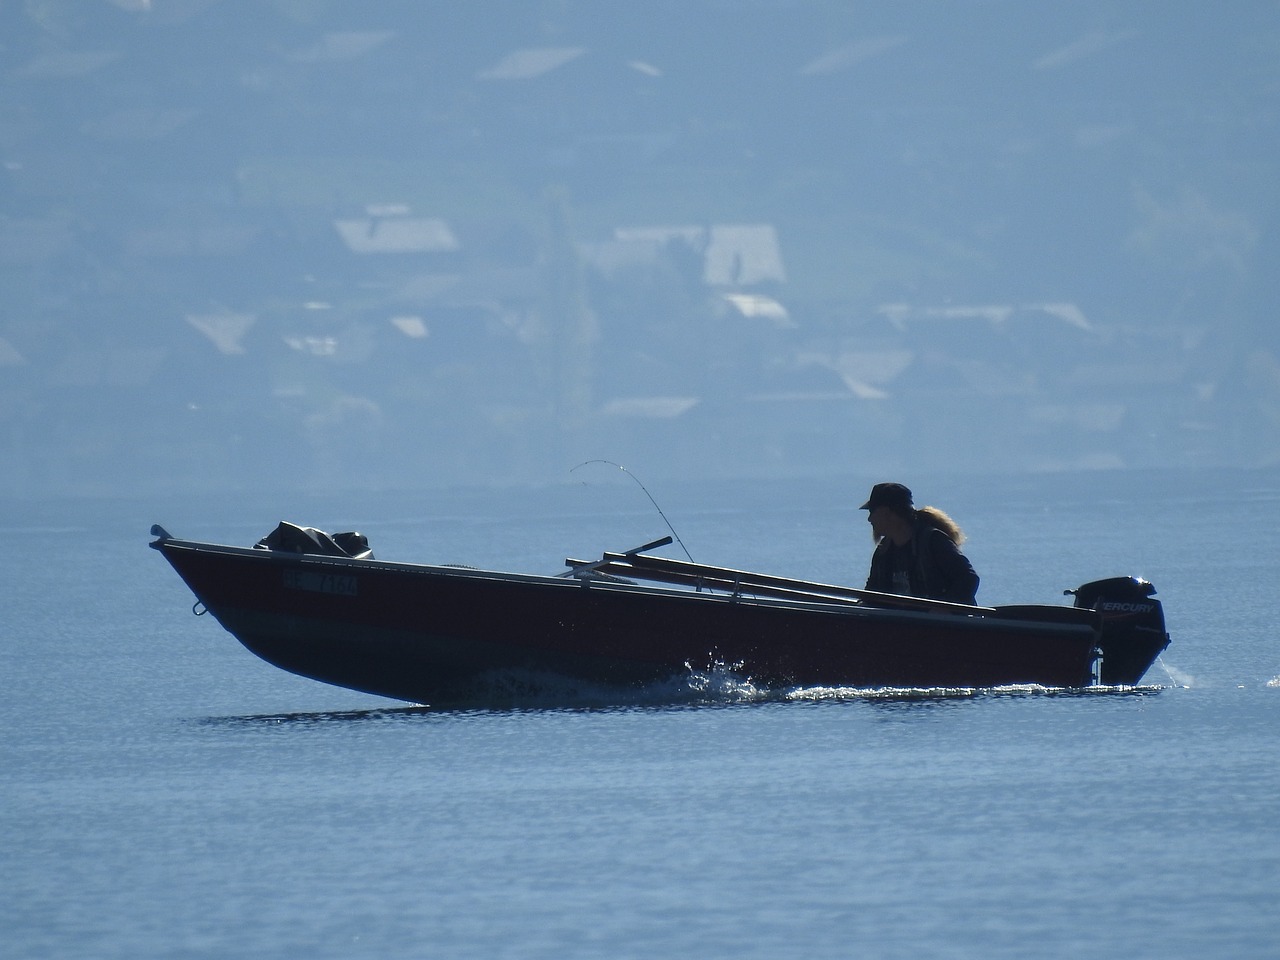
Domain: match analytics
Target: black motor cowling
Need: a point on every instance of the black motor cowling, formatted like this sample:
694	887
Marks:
1133	629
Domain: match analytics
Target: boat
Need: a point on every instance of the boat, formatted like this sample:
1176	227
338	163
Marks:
324	607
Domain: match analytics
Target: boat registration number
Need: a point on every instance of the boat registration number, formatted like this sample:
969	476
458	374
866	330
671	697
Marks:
316	582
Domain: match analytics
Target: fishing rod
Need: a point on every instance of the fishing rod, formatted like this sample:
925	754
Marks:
647	494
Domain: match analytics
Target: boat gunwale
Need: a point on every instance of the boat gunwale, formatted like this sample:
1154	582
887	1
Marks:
987	618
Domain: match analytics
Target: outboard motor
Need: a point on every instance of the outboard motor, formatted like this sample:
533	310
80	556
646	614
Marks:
1133	630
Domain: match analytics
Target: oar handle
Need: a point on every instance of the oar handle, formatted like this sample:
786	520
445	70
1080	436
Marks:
653	545
585	568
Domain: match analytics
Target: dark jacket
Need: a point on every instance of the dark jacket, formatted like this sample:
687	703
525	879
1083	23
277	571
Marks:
935	566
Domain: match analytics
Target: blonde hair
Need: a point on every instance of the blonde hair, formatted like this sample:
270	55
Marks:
943	522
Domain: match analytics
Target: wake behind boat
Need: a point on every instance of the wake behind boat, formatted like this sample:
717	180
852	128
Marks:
323	607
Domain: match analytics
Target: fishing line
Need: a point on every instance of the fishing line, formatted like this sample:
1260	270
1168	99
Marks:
647	494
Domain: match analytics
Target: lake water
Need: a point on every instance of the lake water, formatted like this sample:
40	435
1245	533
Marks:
163	793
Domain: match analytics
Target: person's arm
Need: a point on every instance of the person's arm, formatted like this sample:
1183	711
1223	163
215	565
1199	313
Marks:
878	577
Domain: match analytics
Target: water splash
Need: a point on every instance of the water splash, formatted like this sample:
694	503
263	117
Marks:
1179	678
882	694
721	683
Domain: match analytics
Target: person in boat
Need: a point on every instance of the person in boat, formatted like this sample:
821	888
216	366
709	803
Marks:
917	550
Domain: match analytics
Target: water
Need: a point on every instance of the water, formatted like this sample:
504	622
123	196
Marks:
165	794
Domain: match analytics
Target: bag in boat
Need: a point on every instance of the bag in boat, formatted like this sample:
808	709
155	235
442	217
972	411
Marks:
290	538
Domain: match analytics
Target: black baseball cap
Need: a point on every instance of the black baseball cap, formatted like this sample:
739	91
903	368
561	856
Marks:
893	495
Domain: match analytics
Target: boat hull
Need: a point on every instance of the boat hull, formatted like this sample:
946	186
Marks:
429	634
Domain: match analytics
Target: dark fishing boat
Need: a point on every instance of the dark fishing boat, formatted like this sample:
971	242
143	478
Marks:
324	608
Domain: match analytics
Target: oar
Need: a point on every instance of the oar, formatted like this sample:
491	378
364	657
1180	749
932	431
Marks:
619	569
651	545
745	577
582	568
